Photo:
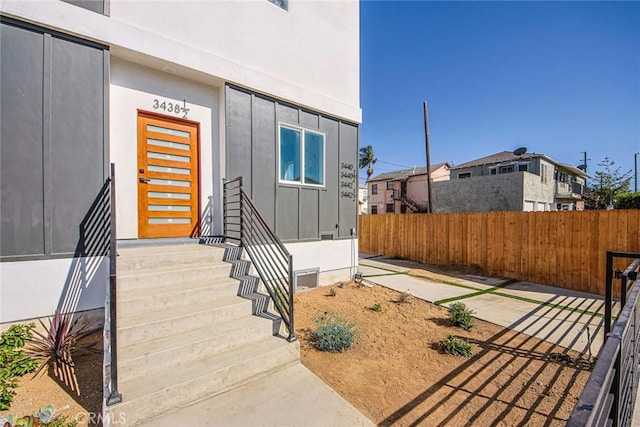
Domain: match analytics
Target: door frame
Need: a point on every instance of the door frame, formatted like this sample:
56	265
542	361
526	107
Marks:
145	113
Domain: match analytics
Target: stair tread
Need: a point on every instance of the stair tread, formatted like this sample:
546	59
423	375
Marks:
130	295
152	271
153	383
164	314
165	343
166	249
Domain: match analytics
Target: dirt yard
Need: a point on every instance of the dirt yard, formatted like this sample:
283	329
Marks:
78	396
396	375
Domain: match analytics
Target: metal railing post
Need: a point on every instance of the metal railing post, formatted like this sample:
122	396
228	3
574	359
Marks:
240	197
114	395
608	293
292	333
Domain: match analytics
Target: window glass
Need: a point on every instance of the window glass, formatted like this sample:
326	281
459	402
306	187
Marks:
389	207
289	154
465	175
313	158
522	168
389	185
281	3
374	209
374	188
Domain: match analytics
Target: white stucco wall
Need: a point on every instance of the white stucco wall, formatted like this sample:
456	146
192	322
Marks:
308	55
31	289
134	87
336	259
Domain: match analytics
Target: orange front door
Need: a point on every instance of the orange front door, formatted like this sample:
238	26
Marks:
167	177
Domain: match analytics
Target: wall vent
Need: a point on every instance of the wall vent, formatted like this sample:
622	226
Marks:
327	236
305	279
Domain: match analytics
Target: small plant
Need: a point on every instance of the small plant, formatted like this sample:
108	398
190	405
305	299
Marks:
43	418
13	361
461	316
377	307
332	292
334	334
404	297
456	346
58	342
342	285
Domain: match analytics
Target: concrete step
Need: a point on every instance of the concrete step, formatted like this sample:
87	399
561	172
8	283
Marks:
141	258
167	352
171	276
153	395
144	327
143	300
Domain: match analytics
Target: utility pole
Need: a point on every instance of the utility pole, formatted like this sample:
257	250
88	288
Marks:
426	143
584	161
635	158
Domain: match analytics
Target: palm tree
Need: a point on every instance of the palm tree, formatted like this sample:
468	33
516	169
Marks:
367	160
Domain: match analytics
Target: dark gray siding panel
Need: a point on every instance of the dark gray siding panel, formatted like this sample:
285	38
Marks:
52	154
309	214
239	136
348	178
287	114
296	212
329	198
287	218
97	6
264	158
309	120
77	156
21	161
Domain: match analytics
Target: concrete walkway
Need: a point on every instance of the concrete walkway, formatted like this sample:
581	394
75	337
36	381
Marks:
292	397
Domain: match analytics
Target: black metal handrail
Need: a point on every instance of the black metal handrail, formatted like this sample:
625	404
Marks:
610	393
111	319
244	224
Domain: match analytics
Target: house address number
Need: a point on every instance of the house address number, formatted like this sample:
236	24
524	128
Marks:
171	107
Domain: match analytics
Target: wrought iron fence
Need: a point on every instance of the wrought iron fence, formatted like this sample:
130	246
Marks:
610	394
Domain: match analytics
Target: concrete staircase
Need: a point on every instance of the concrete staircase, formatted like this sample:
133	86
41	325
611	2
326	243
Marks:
191	324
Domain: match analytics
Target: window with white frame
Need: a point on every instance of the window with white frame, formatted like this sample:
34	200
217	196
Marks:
301	156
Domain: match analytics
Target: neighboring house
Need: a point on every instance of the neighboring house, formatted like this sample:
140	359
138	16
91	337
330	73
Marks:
179	95
403	191
507	181
363	198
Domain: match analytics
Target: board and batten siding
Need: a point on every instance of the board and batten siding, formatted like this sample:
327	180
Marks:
295	212
53	154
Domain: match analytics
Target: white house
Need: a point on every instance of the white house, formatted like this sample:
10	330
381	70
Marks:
178	95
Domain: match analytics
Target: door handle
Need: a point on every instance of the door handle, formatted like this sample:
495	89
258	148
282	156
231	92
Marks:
145	180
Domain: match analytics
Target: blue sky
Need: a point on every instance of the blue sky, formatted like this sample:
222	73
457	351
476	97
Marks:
558	78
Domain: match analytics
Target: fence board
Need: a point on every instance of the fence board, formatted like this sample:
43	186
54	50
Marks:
565	249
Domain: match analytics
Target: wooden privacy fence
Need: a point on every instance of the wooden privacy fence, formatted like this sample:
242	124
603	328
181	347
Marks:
563	249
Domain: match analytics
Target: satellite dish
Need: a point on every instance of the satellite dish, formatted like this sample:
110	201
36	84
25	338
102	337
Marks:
520	151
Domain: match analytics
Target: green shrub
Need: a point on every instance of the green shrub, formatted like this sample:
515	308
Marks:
13	361
377	307
456	346
334	334
628	201
461	316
